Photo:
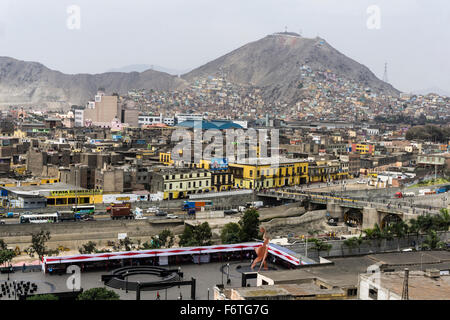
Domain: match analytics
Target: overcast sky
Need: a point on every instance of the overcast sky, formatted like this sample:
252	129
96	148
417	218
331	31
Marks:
413	35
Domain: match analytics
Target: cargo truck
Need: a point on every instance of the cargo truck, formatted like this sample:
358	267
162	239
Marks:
197	205
118	211
68	216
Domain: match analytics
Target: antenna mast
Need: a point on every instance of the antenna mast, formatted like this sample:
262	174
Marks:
385	76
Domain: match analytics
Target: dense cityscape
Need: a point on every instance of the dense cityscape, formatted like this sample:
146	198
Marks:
327	186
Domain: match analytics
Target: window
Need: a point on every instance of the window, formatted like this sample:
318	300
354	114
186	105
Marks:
373	293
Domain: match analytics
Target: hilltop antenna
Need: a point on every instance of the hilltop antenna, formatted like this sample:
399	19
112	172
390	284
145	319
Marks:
385	76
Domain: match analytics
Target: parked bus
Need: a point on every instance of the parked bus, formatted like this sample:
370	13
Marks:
84	210
39	218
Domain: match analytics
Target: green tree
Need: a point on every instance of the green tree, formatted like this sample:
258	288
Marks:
88	248
196	235
98	294
414	228
6	255
38	241
155	242
249	224
167	238
351	243
126	244
47	297
187	238
432	241
203	234
3	245
230	233
321	245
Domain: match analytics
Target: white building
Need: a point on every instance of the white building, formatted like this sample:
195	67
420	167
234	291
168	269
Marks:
428	285
150	119
79	118
181	117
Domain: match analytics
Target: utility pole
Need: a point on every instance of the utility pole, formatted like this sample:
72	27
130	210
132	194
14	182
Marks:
385	75
405	294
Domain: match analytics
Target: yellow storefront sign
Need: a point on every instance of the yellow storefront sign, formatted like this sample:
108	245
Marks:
75	193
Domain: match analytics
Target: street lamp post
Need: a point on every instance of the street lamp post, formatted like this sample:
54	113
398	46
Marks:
306	247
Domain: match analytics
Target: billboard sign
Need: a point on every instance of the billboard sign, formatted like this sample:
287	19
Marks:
219	164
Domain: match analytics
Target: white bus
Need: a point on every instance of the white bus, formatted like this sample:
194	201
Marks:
39	218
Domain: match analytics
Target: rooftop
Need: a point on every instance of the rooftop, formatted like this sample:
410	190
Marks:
42	188
420	286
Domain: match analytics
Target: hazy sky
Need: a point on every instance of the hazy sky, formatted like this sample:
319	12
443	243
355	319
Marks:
414	35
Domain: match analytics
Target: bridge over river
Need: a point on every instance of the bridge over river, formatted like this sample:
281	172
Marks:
353	210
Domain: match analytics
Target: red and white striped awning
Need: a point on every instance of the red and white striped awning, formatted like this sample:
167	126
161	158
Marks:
170	252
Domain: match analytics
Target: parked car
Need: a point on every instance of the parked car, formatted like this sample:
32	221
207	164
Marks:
152	210
172	216
231	211
2	222
161	213
140	218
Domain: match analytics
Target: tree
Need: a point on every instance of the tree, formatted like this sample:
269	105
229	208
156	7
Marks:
187	238
399	230
98	294
350	243
374	233
88	248
230	233
38	241
203	234
3	245
155	242
47	297
196	235
321	245
6	255
249	224
432	241
126	243
414	228
167	238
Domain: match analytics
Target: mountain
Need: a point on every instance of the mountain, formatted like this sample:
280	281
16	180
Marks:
434	90
145	67
32	83
274	64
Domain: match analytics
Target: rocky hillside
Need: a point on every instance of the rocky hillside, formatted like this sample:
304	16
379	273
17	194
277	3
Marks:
33	83
274	63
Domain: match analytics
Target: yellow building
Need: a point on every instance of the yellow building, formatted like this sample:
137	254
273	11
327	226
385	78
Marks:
260	174
179	183
363	148
165	158
325	171
71	197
